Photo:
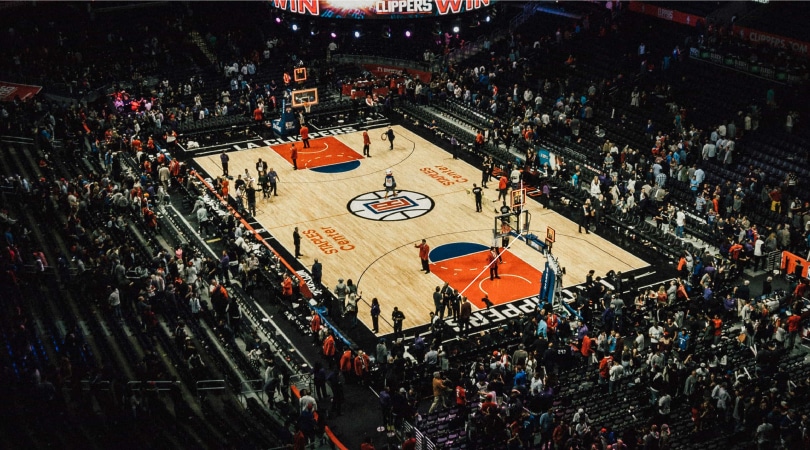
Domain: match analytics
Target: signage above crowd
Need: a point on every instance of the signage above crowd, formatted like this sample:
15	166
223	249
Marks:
380	9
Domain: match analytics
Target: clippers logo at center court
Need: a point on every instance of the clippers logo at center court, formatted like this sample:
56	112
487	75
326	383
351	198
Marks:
403	206
390	205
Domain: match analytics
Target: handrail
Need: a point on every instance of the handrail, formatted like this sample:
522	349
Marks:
248	387
209	385
154	385
422	441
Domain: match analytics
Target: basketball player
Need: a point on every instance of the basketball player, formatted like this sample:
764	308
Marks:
366	144
390	183
294	156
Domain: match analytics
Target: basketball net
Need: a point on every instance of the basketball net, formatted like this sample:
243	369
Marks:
307	107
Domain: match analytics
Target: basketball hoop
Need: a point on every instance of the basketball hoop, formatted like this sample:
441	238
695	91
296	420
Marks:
307	107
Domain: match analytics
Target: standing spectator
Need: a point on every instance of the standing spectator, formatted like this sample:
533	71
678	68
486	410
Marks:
272	178
362	366
366	144
351	308
390	135
479	194
587	213
225	268
341	291
317	273
503	188
386	407
201	211
297	243
424	255
439	391
410	441
680	222
294	155
224	158
464	315
486	170
397	317
492	262
329	347
114	301
346	364
793	328
304	131
375	314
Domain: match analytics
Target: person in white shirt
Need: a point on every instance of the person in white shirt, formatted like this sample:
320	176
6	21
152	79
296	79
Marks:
596	189
307	400
616	374
514	178
680	222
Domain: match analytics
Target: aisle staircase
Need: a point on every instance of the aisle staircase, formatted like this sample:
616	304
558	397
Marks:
200	42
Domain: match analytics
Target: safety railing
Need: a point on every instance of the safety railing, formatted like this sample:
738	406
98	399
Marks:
253	387
422	441
159	386
205	386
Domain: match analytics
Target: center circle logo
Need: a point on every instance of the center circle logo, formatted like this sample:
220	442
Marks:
403	206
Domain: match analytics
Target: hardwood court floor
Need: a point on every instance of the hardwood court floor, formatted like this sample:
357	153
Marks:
377	252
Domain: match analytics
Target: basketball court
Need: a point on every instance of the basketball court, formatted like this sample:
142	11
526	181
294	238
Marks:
337	201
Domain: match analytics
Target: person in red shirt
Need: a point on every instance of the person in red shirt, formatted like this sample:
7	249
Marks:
367	444
604	369
225	187
315	326
461	397
492	261
793	327
329	347
299	441
346	364
503	188
479	140
717	328
586	349
552	322
305	135
410	441
489	404
294	156
361	366
424	254
286	288
366	144
258	114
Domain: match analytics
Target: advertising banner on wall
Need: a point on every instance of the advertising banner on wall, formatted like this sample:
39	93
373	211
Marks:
382	71
8	91
379	9
774	40
666	13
